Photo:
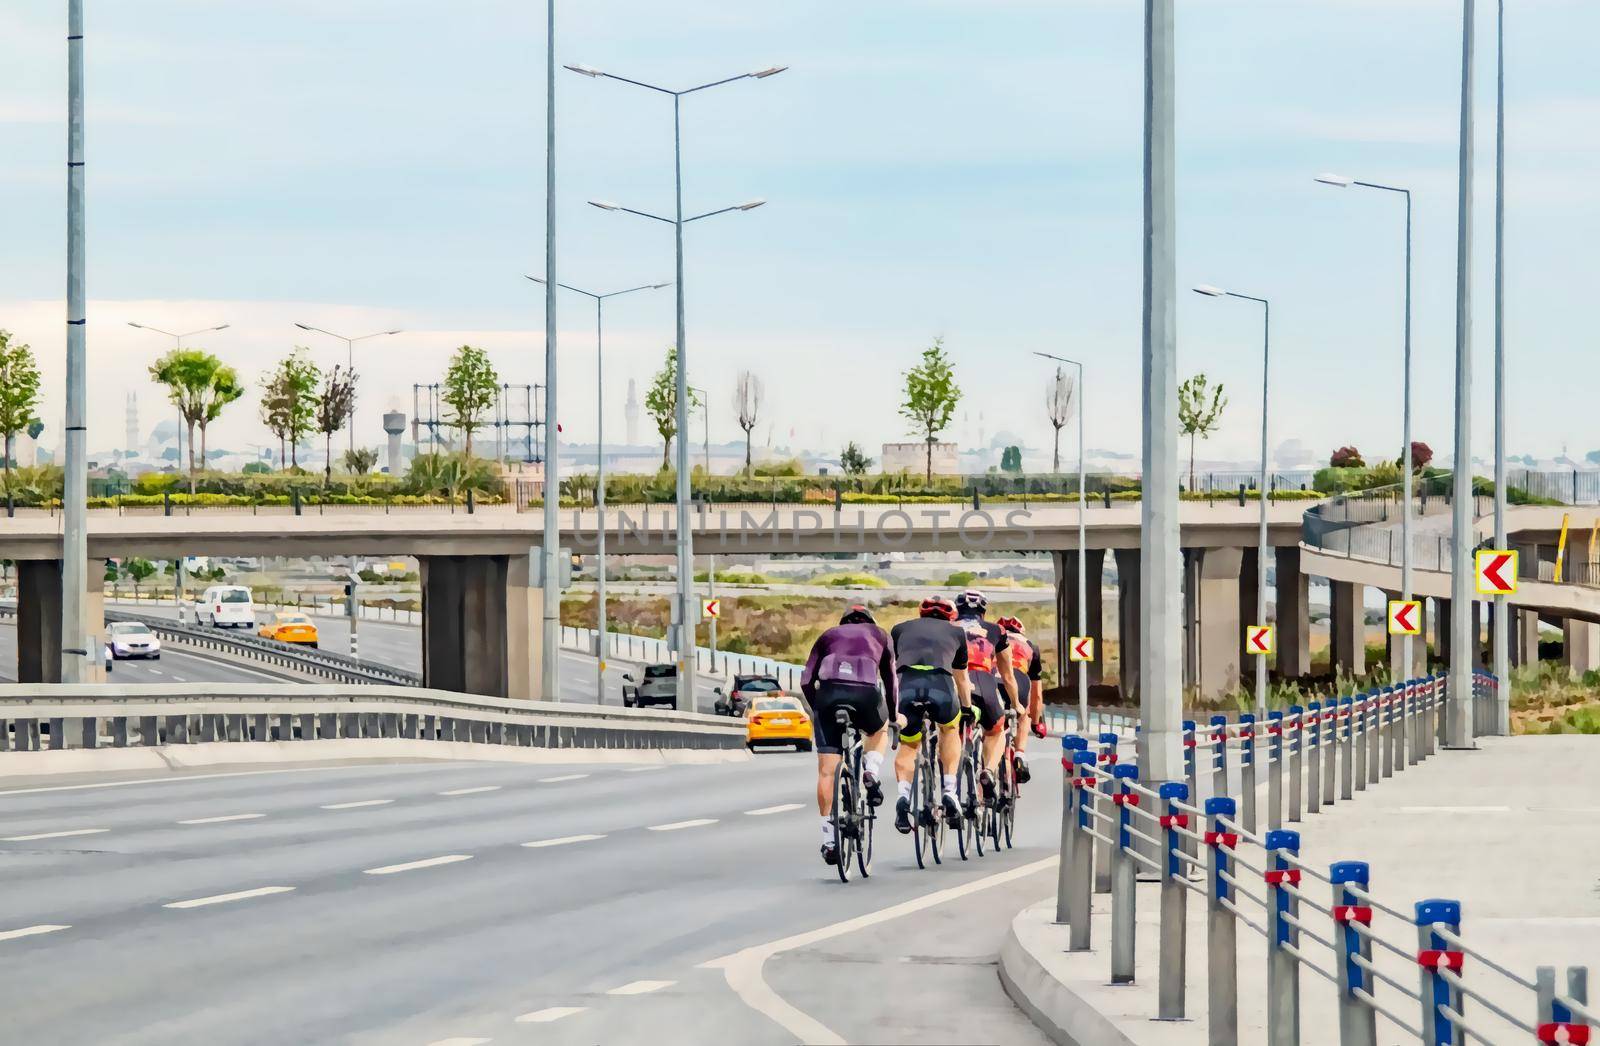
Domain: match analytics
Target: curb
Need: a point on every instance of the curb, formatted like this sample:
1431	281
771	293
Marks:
1028	972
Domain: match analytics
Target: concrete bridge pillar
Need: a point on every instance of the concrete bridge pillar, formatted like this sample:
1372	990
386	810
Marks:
1348	629
1216	625
1582	646
39	620
1128	603
479	625
1066	567
1525	638
1441	630
1249	613
1293	591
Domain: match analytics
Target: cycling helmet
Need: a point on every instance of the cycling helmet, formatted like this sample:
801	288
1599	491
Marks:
1011	624
972	600
938	606
857	615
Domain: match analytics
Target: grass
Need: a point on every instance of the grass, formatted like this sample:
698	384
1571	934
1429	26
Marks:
1545	699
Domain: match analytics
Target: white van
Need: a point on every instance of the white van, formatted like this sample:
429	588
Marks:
226	606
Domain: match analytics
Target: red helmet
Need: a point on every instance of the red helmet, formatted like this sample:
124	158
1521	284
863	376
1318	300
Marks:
1011	624
938	606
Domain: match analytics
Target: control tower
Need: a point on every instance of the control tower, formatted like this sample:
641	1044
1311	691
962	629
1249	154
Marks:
394	423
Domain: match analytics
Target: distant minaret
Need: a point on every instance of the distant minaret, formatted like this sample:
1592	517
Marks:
632	414
983	441
132	433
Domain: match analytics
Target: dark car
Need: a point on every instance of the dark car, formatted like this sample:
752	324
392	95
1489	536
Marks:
660	687
745	689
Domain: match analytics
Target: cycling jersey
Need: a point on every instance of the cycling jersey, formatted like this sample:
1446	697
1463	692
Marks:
986	641
851	655
929	643
1025	664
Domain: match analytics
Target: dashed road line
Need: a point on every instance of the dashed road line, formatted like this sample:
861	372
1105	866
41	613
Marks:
641	987
471	791
410	866
459	1042
563	777
641	769
765	810
546	1016
358	804
228	898
53	835
564	840
223	819
676	825
30	931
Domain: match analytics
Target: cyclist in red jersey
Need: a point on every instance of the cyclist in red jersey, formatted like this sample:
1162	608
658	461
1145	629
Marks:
1028	673
986	657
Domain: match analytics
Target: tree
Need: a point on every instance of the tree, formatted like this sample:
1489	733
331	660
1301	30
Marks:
19	393
1199	411
360	461
190	376
661	400
1060	402
1011	459
1421	455
223	389
854	460
335	404
931	396
289	402
747	400
1347	458
470	387
256	468
138	571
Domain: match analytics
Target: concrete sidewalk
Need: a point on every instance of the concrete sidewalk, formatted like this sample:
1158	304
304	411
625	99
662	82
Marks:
1508	830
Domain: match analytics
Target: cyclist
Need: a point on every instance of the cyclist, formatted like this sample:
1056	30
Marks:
931	655
847	665
1028	674
987	659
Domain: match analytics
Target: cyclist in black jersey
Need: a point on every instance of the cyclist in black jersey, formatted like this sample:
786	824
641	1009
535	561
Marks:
930	654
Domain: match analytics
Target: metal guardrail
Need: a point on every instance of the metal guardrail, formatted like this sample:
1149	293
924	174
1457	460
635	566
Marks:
58	717
1114	826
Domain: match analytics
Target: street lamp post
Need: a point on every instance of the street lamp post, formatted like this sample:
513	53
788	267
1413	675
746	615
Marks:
1502	623
350	359
711	565
1463	633
178	340
1083	586
76	659
601	646
685	547
1407	466
1262	549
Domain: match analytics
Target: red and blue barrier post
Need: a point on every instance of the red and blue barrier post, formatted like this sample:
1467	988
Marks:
1440	998
1358	1022
1283	939
1083	798
1247	768
1108	763
1294	744
1170	997
1124	883
1219	755
1070	744
1350	760
1222	930
1313	736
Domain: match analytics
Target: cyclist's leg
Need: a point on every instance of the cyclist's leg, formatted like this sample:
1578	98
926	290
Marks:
991	719
905	759
1024	707
827	736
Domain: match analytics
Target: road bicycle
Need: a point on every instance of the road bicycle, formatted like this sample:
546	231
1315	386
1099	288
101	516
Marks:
1002	818
853	816
928	826
969	840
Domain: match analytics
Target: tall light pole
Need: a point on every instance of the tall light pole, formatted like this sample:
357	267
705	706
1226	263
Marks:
1083	585
686	658
1406	465
1463	633
75	657
600	466
1502	623
711	565
350	359
178	340
1262	549
549	576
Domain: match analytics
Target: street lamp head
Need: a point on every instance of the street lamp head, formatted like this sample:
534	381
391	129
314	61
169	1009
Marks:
304	327
658	286
585	70
535	279
773	71
394	332
750	206
139	325
604	205
224	327
1210	291
1338	181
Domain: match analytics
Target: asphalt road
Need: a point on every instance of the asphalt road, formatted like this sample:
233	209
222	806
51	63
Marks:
402	904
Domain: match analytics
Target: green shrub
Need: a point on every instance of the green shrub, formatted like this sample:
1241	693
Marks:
961	579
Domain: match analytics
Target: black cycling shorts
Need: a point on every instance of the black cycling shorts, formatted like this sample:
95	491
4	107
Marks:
926	695
988	700
867	710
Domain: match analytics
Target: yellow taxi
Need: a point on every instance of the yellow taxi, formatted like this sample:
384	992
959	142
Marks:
289	627
778	720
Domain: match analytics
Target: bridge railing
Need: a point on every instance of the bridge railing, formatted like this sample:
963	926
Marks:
1412	966
1567	486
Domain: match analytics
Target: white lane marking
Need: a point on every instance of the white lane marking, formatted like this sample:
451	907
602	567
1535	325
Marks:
459	1042
155	671
743	968
223	818
674	826
1454	810
641	987
30	931
228	898
179	679
431	862
53	835
765	810
564	840
472	791
563	777
180	779
358	804
554	1013
641	769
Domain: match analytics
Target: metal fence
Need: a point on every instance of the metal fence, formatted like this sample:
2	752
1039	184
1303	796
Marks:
1406	965
1569	487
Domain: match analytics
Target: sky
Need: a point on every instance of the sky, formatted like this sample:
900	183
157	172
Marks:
934	168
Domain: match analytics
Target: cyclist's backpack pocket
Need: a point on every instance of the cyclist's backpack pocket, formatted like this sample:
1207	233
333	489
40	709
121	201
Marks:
849	668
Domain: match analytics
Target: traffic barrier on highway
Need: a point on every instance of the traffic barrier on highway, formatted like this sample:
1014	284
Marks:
1391	961
58	717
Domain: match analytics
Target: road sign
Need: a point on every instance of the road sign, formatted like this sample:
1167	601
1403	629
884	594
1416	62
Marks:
1081	648
710	608
1405	617
1261	640
1497	572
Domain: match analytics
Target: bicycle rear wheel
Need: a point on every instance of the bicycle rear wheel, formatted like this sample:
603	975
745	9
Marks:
865	818
966	787
928	761
1003	785
843	808
921	838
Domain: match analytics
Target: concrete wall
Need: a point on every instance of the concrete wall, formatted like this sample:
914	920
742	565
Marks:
39	621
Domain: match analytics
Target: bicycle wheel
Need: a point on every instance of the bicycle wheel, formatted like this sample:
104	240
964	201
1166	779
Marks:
966	786
920	837
843	806
931	795
1002	790
865	817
